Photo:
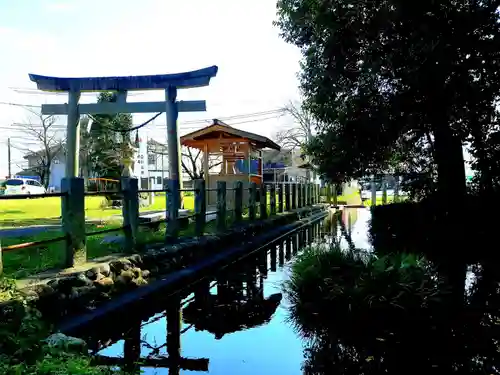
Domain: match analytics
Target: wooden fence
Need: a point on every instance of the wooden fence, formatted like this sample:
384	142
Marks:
282	197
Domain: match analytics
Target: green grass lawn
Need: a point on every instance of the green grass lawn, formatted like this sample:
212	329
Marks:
24	212
23	262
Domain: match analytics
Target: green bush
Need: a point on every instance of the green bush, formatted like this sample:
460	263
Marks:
355	294
414	227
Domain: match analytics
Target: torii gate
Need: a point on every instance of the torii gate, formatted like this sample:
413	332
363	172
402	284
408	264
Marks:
168	82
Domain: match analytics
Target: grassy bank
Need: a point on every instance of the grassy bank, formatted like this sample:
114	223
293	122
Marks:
24	262
363	314
43	211
24	350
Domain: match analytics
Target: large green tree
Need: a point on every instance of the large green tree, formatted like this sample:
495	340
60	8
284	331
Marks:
386	75
109	142
396	82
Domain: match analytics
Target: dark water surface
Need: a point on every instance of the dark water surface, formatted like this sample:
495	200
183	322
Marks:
235	322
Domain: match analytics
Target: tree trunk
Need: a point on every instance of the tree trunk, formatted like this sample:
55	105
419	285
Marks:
451	196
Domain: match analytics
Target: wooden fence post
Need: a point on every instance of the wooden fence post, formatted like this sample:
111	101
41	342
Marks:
304	202
252	192
374	191
263	201
1	259
221	205
384	190
172	210
396	190
73	220
288	202
294	196
272	199
238	201
335	200
280	197
200	206
130	211
299	195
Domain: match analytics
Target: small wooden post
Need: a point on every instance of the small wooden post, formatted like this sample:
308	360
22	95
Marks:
396	189
172	209
299	196
374	191
288	202
328	194
1	259
304	202
200	206
335	200
251	200
280	197
272	199
318	193
238	201
384	190
294	196
263	201
130	211
221	205
73	220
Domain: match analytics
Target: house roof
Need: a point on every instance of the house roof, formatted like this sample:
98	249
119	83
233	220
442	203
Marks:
42	151
219	128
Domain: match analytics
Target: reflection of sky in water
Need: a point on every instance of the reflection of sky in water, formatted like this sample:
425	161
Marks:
273	348
360	229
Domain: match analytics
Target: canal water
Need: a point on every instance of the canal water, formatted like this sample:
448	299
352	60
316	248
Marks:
234	322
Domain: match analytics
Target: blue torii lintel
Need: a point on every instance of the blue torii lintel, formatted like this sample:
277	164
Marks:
195	78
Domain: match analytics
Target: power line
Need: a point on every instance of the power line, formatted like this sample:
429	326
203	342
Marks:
21	105
269	114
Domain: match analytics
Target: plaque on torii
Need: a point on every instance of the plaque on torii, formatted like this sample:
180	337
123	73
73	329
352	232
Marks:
170	83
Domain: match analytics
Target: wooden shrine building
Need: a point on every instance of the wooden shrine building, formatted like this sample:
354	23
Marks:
230	155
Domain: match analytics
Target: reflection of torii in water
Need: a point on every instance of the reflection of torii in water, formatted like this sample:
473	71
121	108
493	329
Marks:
231	310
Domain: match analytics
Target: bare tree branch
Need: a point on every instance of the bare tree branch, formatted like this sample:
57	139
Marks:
192	163
301	132
47	144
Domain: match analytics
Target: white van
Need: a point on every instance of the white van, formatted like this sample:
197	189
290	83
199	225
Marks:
21	185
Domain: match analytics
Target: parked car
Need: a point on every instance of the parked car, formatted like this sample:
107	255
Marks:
21	185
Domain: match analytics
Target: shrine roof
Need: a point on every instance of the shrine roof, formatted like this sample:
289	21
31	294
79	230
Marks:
215	131
195	78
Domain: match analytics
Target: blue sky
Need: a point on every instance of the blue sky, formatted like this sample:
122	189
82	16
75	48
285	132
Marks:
257	70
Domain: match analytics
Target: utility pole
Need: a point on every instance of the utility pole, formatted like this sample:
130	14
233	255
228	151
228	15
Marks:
9	157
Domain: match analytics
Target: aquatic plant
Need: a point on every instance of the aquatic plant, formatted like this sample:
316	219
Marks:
369	314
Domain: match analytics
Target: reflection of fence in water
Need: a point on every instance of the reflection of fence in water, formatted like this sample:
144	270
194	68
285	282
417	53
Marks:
238	304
